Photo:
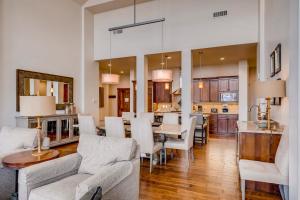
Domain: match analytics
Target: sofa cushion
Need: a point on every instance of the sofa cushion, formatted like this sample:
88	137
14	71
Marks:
98	151
60	190
16	138
27	136
9	141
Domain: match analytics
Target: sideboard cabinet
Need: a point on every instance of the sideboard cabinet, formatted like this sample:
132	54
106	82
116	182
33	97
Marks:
59	128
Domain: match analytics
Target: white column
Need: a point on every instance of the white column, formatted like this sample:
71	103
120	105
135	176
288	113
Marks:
142	82
186	93
243	90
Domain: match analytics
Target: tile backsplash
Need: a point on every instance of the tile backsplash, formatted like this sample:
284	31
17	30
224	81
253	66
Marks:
206	107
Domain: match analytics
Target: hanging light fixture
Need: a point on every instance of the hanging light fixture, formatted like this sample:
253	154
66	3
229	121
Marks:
163	74
109	78
200	84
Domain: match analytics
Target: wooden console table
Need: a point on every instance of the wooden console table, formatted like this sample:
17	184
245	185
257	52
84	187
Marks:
59	128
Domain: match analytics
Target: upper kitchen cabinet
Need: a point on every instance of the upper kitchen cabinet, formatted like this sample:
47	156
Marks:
162	92
214	90
196	92
205	91
228	84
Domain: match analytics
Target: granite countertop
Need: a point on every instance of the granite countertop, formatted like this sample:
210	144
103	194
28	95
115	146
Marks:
221	113
251	127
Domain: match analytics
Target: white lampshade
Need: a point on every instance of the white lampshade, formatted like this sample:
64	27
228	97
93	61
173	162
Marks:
162	75
110	78
270	88
37	106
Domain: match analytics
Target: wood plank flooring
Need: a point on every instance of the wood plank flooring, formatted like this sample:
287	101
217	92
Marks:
213	175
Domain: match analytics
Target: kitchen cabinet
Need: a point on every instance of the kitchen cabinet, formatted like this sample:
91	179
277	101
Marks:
227	123
196	92
161	94
222	124
213	123
205	91
150	94
214	90
228	84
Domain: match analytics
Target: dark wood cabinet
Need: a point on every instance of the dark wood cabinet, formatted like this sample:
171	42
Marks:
161	93
227	123
150	94
228	84
213	124
232	126
214	90
233	84
205	91
196	92
222	124
223	85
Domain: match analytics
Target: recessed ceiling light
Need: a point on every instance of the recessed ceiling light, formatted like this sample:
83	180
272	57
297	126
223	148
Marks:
222	58
169	57
122	72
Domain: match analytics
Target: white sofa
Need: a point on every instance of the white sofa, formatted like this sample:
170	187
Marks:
110	163
13	140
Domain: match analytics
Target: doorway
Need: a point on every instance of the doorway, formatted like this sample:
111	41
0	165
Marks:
123	100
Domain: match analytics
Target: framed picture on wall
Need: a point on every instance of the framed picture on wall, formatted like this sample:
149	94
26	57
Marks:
277	58
272	64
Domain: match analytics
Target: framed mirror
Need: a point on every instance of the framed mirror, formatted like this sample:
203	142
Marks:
40	84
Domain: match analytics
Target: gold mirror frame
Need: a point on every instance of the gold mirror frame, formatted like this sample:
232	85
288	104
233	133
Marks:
22	74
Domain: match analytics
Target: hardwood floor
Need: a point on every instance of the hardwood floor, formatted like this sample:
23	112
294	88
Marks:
213	175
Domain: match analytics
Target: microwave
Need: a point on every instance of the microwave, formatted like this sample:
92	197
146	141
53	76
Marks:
229	96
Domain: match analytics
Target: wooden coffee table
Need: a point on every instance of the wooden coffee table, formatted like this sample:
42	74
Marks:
23	159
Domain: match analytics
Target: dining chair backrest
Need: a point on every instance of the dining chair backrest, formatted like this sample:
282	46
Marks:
128	115
114	127
147	115
199	120
282	154
141	131
86	124
170	118
189	137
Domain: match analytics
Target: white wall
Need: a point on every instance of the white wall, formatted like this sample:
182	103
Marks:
215	71
189	25
42	36
277	31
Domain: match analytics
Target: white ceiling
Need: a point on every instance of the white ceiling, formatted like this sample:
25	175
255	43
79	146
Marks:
110	5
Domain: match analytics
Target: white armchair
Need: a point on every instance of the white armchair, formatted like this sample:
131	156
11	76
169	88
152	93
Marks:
114	127
276	173
98	163
185	144
141	130
13	140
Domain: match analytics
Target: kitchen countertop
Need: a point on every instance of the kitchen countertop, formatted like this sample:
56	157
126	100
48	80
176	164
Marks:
221	113
251	127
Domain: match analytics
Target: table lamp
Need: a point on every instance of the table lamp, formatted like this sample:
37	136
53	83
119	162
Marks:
37	106
269	89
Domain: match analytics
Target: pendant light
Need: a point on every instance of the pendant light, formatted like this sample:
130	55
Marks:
109	78
200	84
162	75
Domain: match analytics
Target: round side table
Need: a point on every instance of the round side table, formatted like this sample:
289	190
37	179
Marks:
23	159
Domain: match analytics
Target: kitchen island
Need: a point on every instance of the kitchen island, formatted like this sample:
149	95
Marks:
258	144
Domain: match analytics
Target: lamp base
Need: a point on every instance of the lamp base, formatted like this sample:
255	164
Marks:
37	153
